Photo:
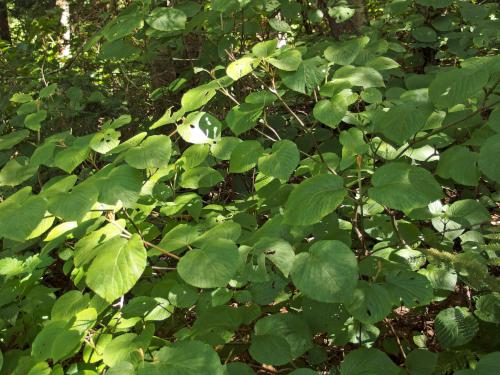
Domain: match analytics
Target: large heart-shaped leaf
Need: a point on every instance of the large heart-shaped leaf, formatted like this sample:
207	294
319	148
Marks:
327	272
117	267
167	19
184	358
153	152
313	199
20	214
404	187
282	160
211	266
455	326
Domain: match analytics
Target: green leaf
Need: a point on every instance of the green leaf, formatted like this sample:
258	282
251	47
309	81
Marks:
105	141
265	49
288	326
278	251
369	303
20	214
197	97
190	202
184	358
493	122
71	157
401	122
313	199
75	204
20	97
341	13
359	76
122	368
353	144
424	34
200	177
282	160
11	267
331	112
168	118
280	25
270	349
368	361
488	308
441	277
327	272
309	75
264	98
468	212
211	266
200	127
421	362
69	305
148	308
488	364
33	121
344	53
123	348
459	164
48	91
167	19
194	155
117	267
153	152
223	149
381	63
227	230
404	187
238	368
10	140
226	6
123	25
120	184
131	142
243	117
16	171
55	341
183	295
44	154
244	156
371	95
435	3
456	86
455	326
288	60
303	371
180	236
241	67
409	288
118	123
488	158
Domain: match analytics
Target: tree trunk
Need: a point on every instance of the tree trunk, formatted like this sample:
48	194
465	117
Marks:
4	22
112	6
359	19
353	25
65	47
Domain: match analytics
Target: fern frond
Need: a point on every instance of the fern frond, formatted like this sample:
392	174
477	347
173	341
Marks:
451	361
468	263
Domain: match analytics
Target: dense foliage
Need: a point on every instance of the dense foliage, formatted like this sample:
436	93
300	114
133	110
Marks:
232	187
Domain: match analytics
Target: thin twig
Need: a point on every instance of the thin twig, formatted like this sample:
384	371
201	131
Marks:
436	131
163	251
387	321
127	234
